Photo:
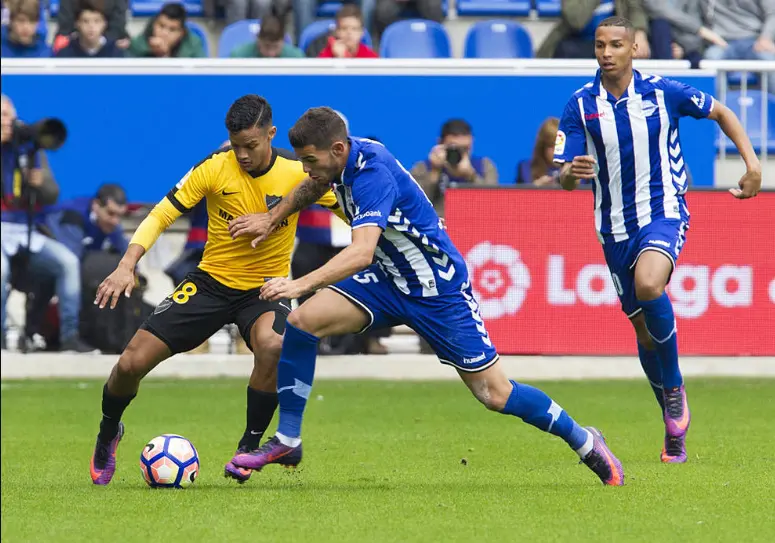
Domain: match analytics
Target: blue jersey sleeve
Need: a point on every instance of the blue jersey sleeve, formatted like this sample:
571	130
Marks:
687	101
571	138
374	195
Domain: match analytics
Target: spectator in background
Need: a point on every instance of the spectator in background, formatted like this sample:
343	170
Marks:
21	38
452	161
305	13
89	41
388	12
115	15
748	26
166	36
270	42
540	169
574	35
346	41
677	30
90	224
38	257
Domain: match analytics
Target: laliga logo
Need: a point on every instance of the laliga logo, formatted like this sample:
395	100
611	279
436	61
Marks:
500	279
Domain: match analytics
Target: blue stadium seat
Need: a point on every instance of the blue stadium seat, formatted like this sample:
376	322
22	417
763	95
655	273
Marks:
498	39
549	8
415	38
321	27
511	8
329	9
237	34
735	79
197	30
150	8
752	103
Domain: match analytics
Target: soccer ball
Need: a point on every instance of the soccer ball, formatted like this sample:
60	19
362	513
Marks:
169	461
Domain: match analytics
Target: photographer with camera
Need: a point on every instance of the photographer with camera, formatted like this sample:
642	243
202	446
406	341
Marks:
451	162
32	256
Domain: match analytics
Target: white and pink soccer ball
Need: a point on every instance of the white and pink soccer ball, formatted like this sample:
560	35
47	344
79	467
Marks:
169	461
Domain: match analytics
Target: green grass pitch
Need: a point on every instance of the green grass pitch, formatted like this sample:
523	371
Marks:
391	461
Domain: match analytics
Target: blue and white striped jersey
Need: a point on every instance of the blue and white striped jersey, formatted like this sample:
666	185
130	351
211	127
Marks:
414	250
642	175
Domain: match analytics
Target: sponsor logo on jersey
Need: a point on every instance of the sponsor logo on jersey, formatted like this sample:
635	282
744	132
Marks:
699	101
375	213
474	360
272	201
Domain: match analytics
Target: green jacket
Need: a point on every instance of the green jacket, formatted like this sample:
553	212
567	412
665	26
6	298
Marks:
190	46
577	13
250	50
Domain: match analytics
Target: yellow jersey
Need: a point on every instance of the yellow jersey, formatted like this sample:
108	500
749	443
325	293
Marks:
232	192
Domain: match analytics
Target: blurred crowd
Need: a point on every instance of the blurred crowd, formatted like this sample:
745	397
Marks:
665	29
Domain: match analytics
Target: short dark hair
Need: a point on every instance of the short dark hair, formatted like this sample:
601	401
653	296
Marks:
319	126
28	8
616	20
456	127
272	29
111	191
349	10
89	5
174	11
249	111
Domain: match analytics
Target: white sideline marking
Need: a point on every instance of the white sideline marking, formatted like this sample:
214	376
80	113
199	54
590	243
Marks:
413	367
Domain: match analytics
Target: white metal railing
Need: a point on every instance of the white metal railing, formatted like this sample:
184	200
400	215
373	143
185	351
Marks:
303	66
765	74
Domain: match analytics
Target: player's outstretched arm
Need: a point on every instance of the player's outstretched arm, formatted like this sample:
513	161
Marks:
582	167
751	182
352	259
122	280
261	225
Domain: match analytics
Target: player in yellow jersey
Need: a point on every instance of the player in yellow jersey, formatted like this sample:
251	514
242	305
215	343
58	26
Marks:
250	176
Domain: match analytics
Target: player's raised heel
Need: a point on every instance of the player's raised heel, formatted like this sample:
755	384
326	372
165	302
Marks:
677	421
602	461
271	452
103	461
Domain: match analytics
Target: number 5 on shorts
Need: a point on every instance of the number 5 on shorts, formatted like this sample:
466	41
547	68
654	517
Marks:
182	295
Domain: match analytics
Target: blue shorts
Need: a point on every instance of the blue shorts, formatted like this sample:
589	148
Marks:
450	322
666	236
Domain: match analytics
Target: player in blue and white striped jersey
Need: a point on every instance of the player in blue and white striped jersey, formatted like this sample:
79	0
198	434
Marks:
621	131
419	278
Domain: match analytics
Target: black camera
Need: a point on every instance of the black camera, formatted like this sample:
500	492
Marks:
48	134
454	155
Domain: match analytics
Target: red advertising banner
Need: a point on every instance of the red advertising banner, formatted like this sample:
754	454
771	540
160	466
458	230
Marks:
539	275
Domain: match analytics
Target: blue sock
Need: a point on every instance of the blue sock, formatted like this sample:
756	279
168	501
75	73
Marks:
539	410
652	367
660	322
295	373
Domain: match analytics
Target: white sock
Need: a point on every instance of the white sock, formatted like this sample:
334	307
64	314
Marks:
288	441
586	448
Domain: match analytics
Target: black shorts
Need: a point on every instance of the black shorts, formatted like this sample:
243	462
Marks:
200	306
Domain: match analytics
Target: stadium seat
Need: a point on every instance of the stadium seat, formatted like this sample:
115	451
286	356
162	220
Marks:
510	8
53	8
735	79
548	8
239	33
498	39
752	103
329	9
152	7
415	38
197	30
321	27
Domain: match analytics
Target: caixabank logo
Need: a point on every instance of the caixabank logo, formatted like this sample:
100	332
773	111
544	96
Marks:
500	280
